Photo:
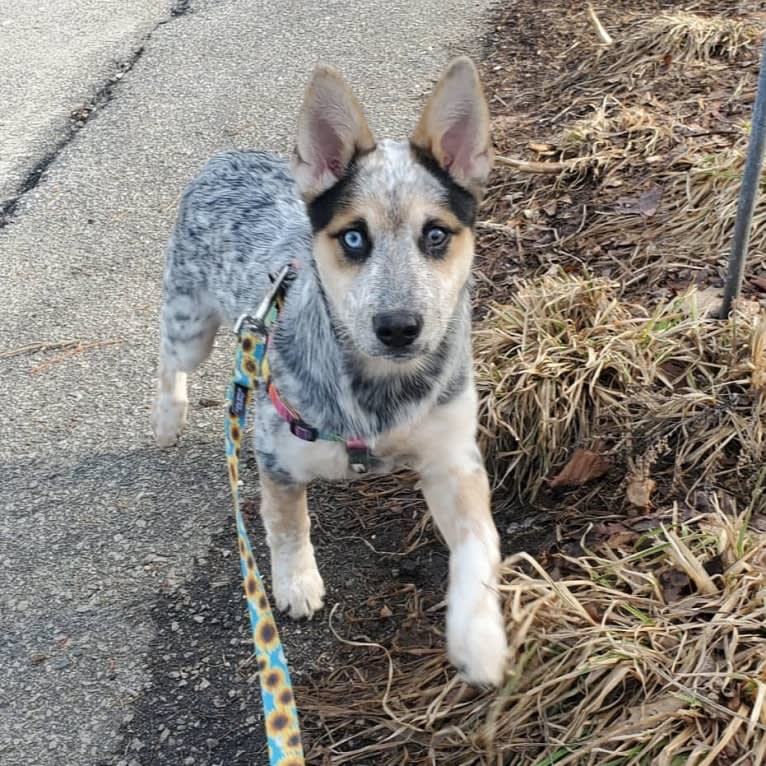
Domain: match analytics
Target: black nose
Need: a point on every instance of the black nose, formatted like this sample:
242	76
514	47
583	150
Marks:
397	329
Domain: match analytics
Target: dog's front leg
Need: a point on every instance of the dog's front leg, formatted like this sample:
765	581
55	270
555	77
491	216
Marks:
296	581
456	489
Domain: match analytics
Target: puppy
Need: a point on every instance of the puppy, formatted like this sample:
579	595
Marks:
373	343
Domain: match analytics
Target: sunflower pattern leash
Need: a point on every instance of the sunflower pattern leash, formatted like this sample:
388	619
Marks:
251	367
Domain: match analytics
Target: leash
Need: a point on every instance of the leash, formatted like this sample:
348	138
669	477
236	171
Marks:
251	370
251	367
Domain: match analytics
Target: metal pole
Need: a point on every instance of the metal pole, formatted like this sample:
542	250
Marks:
748	193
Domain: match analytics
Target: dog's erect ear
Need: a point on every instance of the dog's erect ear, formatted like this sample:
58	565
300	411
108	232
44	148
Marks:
332	129
454	126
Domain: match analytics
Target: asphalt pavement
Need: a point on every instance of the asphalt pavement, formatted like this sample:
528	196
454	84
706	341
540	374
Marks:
99	530
57	59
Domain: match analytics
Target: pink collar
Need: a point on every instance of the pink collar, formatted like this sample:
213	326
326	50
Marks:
359	454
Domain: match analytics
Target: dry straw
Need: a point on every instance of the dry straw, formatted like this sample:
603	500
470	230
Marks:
566	363
694	221
648	648
652	45
645	113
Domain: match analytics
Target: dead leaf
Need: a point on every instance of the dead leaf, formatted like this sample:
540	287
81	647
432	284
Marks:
540	148
639	492
649	201
549	208
584	466
674	371
675	585
621	537
645	204
708	300
385	611
759	283
661	707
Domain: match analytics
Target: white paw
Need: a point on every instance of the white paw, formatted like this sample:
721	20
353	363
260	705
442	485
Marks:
168	419
298	586
476	641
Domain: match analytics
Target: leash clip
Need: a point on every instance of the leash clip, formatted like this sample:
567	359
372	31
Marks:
257	320
250	322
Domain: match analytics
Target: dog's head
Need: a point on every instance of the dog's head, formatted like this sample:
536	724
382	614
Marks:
393	222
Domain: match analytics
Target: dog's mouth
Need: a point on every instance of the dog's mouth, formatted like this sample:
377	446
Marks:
385	361
403	355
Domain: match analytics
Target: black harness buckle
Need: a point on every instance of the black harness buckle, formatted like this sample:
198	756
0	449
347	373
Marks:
359	458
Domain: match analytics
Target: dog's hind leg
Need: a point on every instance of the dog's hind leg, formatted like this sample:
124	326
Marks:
297	584
188	326
456	489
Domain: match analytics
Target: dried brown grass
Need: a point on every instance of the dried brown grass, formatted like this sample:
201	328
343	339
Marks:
648	648
650	45
614	130
665	107
694	222
566	363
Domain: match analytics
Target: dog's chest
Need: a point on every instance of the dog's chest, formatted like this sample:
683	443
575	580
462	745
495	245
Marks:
306	461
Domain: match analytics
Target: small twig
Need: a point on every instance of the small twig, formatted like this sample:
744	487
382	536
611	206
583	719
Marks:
601	33
43	345
76	350
526	166
699	133
492	226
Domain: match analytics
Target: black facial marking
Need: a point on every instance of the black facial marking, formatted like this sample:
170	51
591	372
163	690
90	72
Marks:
382	399
322	209
459	200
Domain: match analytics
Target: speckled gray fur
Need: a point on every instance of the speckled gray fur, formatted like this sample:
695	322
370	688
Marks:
239	221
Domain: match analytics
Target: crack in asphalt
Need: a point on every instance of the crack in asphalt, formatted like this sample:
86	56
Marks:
80	117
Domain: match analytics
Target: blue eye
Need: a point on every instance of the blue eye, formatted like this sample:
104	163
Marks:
353	239
436	235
